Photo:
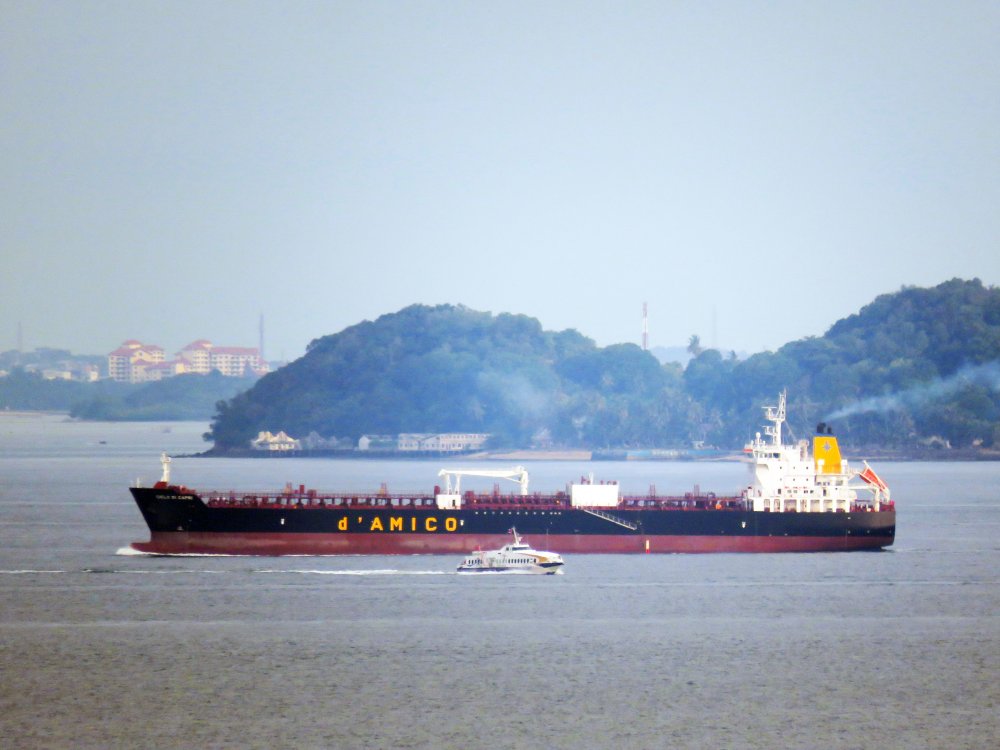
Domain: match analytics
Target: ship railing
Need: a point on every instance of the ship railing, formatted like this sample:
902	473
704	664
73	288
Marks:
687	502
311	499
318	501
536	501
870	507
367	500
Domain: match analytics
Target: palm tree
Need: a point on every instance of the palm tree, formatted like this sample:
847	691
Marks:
694	345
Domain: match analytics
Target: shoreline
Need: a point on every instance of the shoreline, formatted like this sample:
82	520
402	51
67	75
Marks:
858	454
582	455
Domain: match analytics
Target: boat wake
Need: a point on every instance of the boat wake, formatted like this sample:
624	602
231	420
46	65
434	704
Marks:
132	552
30	572
373	572
202	571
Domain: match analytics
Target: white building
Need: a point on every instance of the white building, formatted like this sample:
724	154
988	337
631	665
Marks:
376	443
135	362
450	442
146	373
232	361
265	441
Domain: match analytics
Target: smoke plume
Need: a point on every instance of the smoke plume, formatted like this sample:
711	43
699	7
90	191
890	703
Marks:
987	375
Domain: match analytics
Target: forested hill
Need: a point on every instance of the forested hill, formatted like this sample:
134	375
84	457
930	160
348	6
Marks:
915	366
452	369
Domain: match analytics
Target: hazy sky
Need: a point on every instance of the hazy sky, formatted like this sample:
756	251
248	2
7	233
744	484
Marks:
754	171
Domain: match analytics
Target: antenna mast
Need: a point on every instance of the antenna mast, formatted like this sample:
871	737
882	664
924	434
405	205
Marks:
645	327
775	415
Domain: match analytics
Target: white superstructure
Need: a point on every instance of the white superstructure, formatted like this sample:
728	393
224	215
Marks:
787	478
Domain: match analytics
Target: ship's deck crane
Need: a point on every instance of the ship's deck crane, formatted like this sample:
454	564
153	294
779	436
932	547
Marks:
518	474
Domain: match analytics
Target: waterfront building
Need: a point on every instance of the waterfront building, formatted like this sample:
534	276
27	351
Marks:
450	442
265	441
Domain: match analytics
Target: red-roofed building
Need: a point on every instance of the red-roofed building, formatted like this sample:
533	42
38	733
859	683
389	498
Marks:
197	355
127	363
233	361
135	362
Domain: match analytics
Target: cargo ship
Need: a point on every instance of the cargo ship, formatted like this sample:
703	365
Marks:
801	497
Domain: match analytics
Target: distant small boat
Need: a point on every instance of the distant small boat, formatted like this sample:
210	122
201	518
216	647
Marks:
515	557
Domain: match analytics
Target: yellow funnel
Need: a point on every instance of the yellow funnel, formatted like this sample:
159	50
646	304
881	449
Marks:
826	453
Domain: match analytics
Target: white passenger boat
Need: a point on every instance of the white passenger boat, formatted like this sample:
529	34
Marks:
515	557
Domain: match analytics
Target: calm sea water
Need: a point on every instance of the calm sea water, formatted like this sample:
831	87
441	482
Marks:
898	649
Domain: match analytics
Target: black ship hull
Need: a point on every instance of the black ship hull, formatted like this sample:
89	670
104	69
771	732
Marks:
181	523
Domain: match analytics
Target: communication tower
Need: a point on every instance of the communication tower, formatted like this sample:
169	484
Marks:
645	327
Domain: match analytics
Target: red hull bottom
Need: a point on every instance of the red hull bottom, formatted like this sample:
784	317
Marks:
272	544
